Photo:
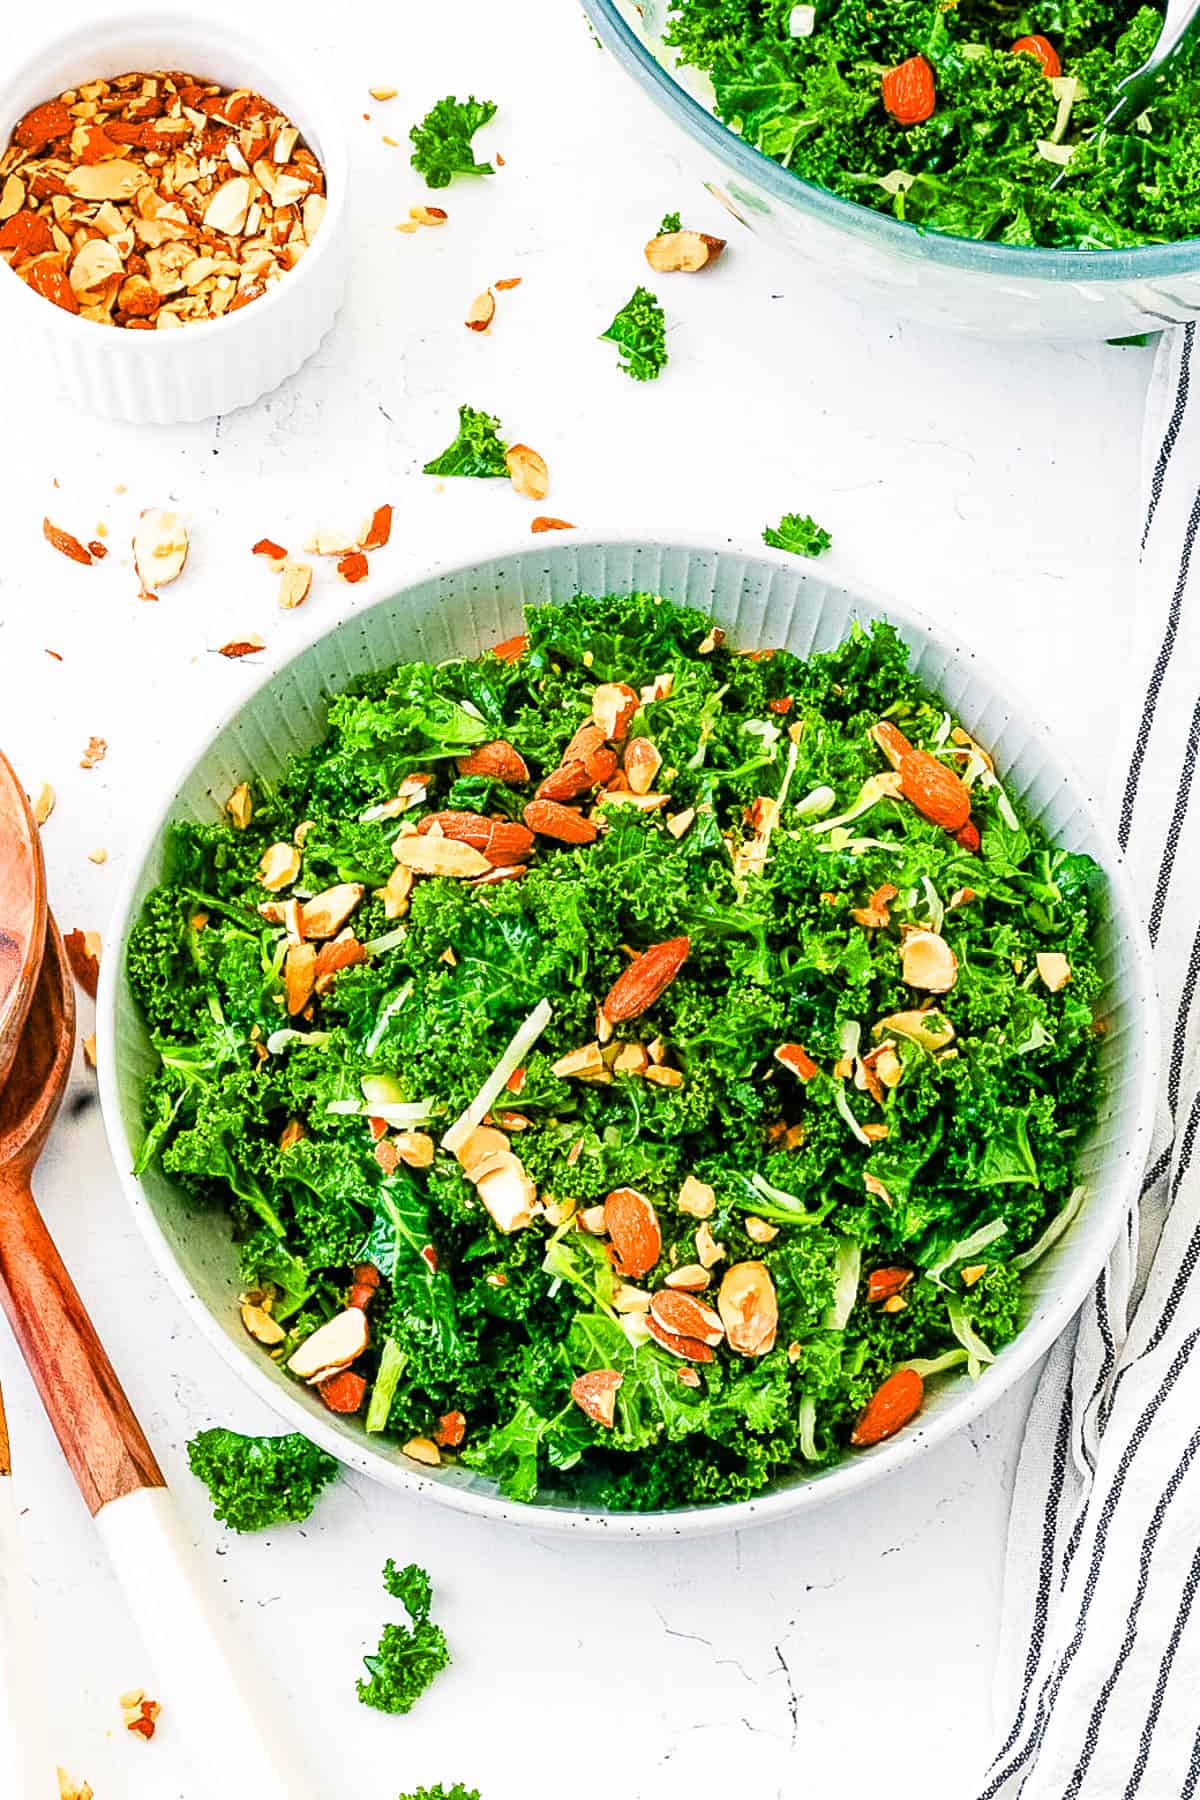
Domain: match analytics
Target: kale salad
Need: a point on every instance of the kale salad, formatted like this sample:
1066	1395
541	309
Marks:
633	1068
961	117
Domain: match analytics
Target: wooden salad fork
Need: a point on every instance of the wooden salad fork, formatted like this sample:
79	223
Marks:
204	1689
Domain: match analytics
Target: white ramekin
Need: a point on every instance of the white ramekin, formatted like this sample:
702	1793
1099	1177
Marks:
159	377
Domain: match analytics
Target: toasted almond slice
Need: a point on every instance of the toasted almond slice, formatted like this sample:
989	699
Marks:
240	806
279	867
642	761
483	1144
613	706
928	962
528	471
415	1148
679	823
432	855
423	1450
333	1346
709	1252
629	1299
383	93
111	180
396	893
591	1219
697	1198
96	263
508	1193
931	1030
481	312
584	1064
683	252
160	547
43	804
261	1326
226	211
327	912
1054	969
758	1230
299	977
295	583
691	1277
749	1308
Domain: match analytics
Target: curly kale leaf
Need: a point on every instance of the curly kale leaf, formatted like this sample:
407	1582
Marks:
438	1792
670	223
640	334
799	533
255	1482
478	449
409	1656
442	140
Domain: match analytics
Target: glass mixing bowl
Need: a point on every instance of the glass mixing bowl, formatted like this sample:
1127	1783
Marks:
998	290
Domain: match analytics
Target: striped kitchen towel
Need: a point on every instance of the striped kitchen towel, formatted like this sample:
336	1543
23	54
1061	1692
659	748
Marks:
1098	1685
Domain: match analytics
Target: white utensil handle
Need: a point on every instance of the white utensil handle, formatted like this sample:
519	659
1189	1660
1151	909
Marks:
24	1671
207	1684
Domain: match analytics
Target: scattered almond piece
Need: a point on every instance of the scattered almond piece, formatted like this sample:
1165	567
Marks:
383	93
353	566
295	584
68	1789
89	1050
481	311
376	530
927	962
43	803
268	547
83	954
242	646
325	542
160	548
544	522
423	1450
528	471
95	753
64	542
510	281
240	806
1054	969
427	215
98	856
683	252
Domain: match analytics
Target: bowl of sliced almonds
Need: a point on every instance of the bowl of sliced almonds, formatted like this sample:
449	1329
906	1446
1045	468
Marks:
521	1210
172	216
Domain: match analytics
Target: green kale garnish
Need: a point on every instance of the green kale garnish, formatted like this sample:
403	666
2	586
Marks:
438	1792
670	223
255	1482
477	450
640	333
798	533
442	140
409	1656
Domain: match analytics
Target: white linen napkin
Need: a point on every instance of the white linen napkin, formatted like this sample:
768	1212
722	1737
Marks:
1098	1681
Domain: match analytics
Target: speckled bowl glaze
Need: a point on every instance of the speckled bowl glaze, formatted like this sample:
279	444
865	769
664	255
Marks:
761	600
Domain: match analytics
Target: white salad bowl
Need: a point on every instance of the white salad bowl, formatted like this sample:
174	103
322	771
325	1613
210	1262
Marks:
761	600
211	365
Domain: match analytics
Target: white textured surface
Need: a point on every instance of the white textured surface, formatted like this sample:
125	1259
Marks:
993	487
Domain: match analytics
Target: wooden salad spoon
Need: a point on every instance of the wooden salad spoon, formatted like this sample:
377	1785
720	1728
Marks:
206	1690
24	1671
22	911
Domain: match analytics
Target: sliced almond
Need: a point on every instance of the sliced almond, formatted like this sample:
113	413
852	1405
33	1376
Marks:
613	706
396	893
508	1193
591	1219
709	1252
749	1308
327	912
279	867
1054	969
227	209
333	1346
691	1277
759	1231
927	962
431	855
676	252
160	548
261	1326
96	263
295	584
679	823
240	806
631	1059
43	804
423	1450
481	312
584	1064
299	977
112	180
630	1299
931	1030
414	1148
527	471
697	1198
483	1145
642	761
